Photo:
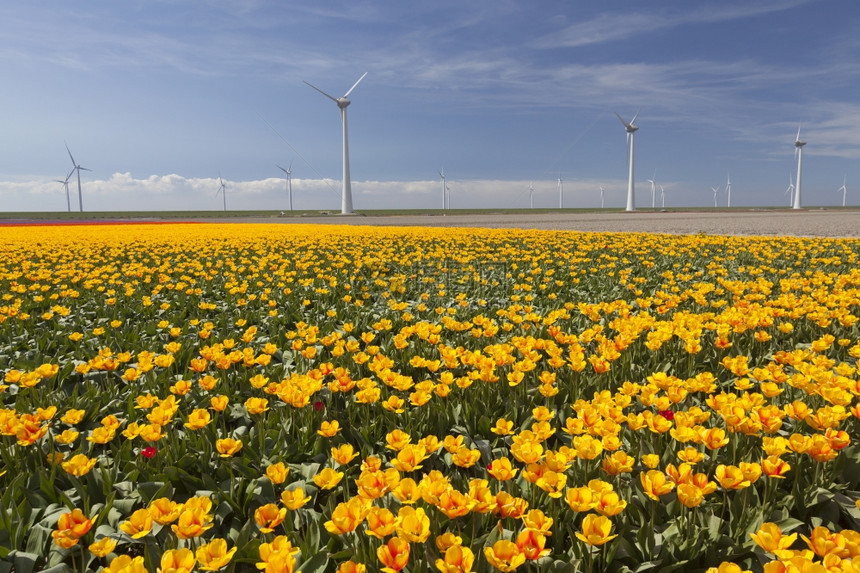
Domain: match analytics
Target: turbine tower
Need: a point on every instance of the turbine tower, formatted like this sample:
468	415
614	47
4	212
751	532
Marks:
843	189
560	192
798	151
65	183
531	195
631	130
289	173
223	191
602	189
78	168
729	189
342	103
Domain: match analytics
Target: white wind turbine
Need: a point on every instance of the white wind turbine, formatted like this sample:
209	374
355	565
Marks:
342	103
653	190
631	130
662	198
65	183
843	189
715	190
444	189
729	190
602	189
531	195
78	168
289	173
560	192
790	190
223	190
798	152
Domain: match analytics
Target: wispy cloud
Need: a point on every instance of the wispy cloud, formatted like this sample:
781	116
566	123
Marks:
611	27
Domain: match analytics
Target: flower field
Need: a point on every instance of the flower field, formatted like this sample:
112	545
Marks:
321	399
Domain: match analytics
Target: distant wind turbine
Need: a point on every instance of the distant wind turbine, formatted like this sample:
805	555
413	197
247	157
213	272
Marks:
444	189
843	189
653	190
342	103
662	198
78	168
560	192
631	131
289	173
798	152
790	190
223	190
729	190
715	190
602	189
531	195
65	183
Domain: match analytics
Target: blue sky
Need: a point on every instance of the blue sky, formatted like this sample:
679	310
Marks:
159	97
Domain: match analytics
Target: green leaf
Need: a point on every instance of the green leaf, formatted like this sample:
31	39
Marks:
315	564
23	562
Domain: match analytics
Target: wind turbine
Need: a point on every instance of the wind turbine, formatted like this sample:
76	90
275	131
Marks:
798	152
790	190
662	198
65	183
653	190
631	130
602	189
843	189
729	189
715	190
444	189
560	192
289	173
78	168
342	103
223	191
531	195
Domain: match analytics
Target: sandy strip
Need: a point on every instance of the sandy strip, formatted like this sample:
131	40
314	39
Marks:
804	223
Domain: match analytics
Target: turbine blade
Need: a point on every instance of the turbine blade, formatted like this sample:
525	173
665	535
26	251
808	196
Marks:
353	85
622	120
83	168
281	168
322	92
290	168
798	134
70	154
632	121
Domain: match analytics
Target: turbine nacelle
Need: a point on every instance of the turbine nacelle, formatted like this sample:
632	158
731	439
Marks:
629	127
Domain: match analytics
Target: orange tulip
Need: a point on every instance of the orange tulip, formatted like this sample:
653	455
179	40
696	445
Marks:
214	555
504	555
269	516
394	554
456	559
595	530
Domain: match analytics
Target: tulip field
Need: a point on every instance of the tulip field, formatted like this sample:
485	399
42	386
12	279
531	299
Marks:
204	397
